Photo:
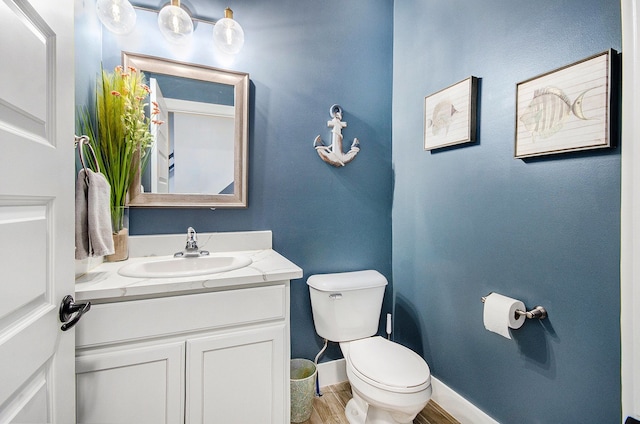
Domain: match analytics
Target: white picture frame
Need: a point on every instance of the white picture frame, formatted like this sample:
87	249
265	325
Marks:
450	115
565	110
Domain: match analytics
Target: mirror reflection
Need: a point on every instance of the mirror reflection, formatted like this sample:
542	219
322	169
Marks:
199	158
199	115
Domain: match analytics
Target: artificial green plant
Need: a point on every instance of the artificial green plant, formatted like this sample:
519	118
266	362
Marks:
118	130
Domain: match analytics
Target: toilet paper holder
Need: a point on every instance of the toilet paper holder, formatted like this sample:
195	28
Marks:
538	312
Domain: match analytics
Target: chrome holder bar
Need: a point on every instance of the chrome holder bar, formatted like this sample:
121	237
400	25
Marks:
538	312
193	17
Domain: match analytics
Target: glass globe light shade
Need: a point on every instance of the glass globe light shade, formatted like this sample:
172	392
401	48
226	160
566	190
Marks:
228	34
175	24
117	15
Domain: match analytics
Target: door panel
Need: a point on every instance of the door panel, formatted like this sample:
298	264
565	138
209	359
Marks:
24	107
30	270
34	405
228	372
131	385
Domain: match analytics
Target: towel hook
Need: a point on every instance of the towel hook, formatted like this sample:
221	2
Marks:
81	141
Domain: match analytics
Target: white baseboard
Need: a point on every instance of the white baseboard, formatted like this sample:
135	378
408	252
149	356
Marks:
334	372
457	406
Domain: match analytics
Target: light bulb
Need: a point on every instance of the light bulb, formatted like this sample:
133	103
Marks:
175	24
117	15
228	34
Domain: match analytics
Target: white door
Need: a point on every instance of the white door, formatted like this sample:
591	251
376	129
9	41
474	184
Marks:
36	210
159	159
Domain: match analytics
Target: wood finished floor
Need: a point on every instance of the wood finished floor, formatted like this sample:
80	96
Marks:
329	408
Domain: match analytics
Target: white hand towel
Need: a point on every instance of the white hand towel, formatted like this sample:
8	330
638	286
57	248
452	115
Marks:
93	215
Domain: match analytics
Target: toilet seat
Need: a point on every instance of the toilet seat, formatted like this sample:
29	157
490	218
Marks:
388	365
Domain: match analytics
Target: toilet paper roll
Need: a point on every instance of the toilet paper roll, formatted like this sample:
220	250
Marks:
500	314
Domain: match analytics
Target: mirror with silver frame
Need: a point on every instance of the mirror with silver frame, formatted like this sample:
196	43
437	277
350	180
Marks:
200	154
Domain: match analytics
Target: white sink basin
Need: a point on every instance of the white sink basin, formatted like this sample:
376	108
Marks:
184	267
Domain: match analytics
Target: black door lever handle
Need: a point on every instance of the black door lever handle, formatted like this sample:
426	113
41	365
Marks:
68	308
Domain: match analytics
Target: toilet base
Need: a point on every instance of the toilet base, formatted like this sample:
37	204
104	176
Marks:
355	413
358	411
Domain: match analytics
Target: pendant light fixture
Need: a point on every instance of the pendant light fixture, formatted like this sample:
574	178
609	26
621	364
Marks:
175	23
228	34
117	15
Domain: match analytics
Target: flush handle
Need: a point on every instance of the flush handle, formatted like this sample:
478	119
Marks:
68	307
335	296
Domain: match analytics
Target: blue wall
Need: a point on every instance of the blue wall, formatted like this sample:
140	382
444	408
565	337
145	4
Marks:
302	57
472	219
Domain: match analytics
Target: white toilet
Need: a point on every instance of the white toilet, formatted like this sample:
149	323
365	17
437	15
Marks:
390	383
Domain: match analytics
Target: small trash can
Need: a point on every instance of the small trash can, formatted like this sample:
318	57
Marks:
303	381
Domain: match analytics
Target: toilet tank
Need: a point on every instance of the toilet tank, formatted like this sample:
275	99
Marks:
346	306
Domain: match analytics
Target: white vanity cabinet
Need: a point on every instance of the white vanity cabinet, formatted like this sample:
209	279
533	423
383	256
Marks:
206	357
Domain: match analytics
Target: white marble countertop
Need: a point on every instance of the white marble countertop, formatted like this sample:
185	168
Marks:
103	284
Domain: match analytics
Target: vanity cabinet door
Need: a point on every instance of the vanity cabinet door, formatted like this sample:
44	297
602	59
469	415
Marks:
238	378
131	385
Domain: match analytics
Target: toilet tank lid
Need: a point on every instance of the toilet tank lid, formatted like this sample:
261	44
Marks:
343	281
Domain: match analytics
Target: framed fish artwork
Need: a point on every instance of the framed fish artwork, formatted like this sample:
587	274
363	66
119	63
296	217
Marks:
450	115
567	109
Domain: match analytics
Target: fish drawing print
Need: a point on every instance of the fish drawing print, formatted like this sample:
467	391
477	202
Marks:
441	118
548	111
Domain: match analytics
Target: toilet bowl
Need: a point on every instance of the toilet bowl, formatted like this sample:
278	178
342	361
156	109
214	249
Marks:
390	383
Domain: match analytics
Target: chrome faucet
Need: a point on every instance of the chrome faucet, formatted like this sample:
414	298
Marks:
191	249
192	241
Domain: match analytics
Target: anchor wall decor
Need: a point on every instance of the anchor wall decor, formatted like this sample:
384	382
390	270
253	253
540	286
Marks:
333	154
